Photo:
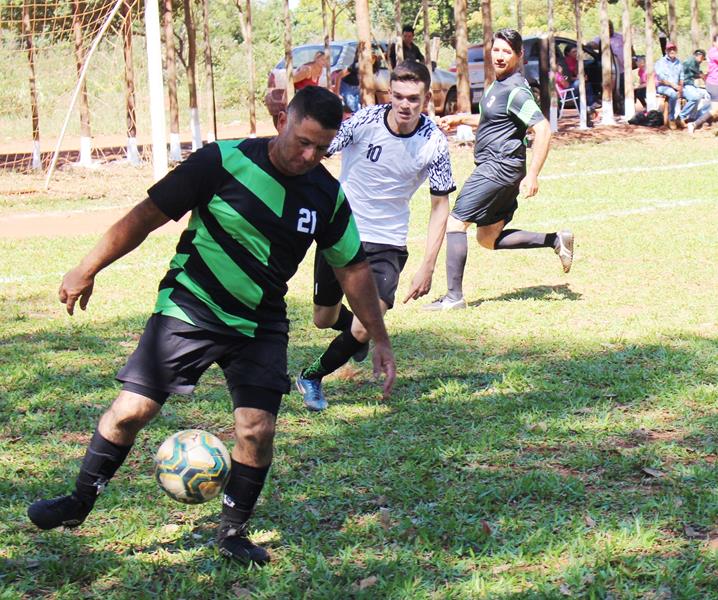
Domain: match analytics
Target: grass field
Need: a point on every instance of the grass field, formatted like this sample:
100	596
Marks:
557	439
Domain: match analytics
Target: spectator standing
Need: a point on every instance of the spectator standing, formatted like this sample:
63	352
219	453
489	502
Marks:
310	73
411	50
669	82
616	41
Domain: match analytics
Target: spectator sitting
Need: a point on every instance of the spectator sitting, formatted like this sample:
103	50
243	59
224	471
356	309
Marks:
410	49
309	73
669	80
711	81
571	58
691	92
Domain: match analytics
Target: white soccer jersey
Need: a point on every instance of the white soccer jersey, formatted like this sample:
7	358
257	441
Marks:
381	170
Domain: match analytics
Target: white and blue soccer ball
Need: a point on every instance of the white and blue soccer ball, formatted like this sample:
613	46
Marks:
192	466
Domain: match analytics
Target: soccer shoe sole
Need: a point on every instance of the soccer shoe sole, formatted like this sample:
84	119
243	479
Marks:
565	250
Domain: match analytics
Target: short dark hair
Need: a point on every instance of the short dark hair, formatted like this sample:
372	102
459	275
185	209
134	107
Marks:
410	70
511	37
319	104
701	52
407	29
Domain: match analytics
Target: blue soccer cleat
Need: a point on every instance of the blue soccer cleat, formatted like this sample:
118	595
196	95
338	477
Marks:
311	389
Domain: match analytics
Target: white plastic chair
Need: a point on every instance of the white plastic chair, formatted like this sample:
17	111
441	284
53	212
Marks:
564	96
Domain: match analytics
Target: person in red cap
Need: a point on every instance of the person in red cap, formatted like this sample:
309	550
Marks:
669	80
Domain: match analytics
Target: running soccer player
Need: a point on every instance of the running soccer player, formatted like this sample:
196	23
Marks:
488	198
257	205
388	151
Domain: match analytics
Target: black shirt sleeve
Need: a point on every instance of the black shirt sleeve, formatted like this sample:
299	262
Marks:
189	184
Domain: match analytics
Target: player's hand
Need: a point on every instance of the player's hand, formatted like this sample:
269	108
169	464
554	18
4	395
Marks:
420	284
76	284
447	122
383	362
529	186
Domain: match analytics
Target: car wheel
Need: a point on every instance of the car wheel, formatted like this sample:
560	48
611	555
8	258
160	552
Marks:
450	103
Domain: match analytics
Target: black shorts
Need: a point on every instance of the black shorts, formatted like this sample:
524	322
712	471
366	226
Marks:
484	201
172	355
386	261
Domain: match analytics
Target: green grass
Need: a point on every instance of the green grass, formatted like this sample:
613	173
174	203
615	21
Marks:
508	464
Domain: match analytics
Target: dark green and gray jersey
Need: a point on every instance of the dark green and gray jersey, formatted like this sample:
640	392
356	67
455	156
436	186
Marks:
507	110
250	228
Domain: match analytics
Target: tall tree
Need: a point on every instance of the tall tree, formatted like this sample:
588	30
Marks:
171	75
714	19
553	111
366	73
520	16
695	27
85	133
672	25
289	67
651	102
606	71
629	100
27	36
133	155
325	29
398	25
488	36
209	74
191	77
427	47
249	28
583	119
463	97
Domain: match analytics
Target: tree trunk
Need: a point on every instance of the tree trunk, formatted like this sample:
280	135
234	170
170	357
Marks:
191	75
553	110
27	37
325	31
133	155
583	111
209	74
249	28
714	19
171	74
695	27
488	35
463	96
288	51
366	74
672	26
651	102
629	100
427	49
398	25
519	16
85	133
606	71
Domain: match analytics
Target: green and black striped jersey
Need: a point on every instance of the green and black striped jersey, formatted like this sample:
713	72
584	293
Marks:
250	228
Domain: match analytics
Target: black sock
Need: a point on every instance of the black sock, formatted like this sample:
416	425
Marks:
342	348
706	118
515	239
457	248
101	462
344	320
242	490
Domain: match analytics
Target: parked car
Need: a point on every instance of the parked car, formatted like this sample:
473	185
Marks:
443	82
532	46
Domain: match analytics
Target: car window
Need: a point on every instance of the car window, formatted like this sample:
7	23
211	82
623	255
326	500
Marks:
476	54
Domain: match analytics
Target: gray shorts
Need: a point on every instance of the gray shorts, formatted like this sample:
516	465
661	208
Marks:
484	201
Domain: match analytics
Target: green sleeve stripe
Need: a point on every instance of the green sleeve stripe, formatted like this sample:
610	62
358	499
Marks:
178	261
254	178
346	248
528	110
227	272
241	230
244	326
166	306
512	93
341	198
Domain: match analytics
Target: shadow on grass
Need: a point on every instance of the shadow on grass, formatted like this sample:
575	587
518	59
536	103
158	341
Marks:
486	461
536	292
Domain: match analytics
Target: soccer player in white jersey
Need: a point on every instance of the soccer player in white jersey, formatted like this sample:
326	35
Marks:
388	151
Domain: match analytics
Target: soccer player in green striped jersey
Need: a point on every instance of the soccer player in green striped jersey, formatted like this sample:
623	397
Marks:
256	206
489	196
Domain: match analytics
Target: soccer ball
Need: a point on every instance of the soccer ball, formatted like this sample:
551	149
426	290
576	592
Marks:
192	466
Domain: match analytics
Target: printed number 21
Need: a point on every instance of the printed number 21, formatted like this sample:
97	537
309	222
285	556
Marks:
307	222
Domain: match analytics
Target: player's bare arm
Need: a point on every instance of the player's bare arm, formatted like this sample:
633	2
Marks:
450	121
124	236
542	139
421	283
358	284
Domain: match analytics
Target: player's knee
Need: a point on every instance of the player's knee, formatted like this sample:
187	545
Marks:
256	435
359	332
128	416
324	317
